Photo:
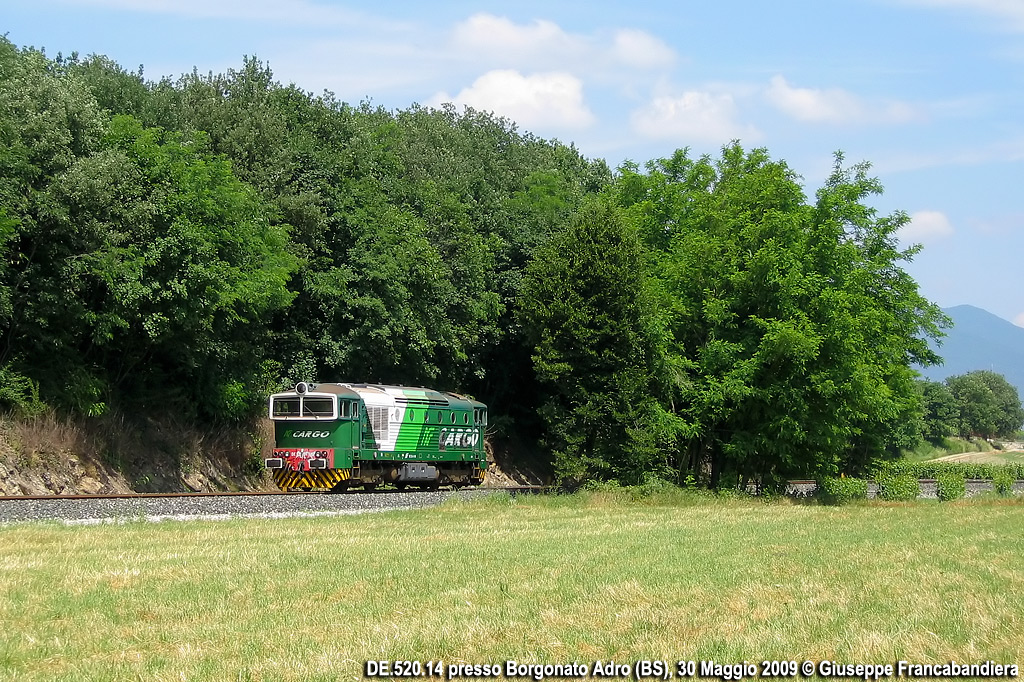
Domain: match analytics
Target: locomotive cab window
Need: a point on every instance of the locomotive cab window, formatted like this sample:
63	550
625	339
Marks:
317	407
302	407
285	407
343	409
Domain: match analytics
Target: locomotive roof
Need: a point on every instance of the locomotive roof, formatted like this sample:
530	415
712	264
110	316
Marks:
338	389
411	395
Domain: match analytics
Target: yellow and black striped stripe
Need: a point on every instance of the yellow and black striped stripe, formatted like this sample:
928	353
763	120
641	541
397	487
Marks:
287	479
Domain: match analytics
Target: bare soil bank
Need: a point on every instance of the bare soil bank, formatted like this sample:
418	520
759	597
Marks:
52	454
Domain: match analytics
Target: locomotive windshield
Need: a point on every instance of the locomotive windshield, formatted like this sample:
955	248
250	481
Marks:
302	407
285	407
318	407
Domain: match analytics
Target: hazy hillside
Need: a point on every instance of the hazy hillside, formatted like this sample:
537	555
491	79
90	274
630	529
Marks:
980	340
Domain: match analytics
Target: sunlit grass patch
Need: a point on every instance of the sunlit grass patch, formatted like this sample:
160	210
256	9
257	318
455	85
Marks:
546	579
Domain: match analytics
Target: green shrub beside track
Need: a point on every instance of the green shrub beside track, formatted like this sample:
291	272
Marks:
894	487
950	485
933	469
1002	482
835	491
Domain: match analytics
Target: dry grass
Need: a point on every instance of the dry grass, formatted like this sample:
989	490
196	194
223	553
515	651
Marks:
49	452
991	457
41	439
542	580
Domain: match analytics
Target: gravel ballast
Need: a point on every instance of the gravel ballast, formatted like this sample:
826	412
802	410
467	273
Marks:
87	511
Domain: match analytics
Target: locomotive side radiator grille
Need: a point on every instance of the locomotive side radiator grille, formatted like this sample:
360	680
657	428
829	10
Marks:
379	423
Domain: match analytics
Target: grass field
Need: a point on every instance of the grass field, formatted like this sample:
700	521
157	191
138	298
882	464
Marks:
537	580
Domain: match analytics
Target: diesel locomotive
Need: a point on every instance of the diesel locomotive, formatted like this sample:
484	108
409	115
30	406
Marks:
336	436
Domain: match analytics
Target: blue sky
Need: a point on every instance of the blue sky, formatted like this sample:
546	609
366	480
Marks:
931	92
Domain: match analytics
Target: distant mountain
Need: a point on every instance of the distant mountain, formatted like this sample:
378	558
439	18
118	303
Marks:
980	340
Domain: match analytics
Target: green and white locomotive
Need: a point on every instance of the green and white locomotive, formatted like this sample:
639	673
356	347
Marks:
333	436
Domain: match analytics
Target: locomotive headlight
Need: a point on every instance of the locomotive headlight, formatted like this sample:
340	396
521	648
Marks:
301	387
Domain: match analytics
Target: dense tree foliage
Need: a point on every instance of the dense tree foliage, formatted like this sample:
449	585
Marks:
988	405
195	243
792	326
200	241
979	404
941	413
138	264
590	318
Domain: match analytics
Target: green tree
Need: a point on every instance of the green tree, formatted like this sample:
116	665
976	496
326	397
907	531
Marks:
989	405
588	314
792	325
135	262
49	122
941	411
193	279
115	89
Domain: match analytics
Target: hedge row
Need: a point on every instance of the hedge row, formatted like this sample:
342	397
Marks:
899	481
937	469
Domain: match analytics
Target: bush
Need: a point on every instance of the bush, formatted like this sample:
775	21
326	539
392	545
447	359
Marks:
969	470
20	393
652	485
898	487
950	485
841	490
1002	482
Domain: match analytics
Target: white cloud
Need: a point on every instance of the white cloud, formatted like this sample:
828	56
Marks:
498	35
926	226
641	49
553	99
833	105
692	116
1019	320
544	44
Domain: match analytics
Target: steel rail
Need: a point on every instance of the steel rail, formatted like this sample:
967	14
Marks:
240	493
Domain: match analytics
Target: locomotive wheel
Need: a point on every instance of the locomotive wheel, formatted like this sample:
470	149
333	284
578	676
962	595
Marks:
369	487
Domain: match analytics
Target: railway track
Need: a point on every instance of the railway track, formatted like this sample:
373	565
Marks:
798	488
247	493
220	506
113	508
